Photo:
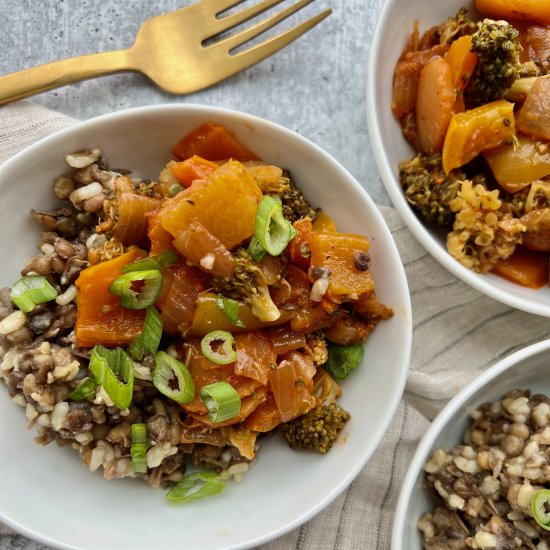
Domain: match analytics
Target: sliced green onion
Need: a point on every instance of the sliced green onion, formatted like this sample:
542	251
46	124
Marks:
106	366
221	400
272	231
172	378
217	346
256	250
138	450
31	290
343	359
158	262
231	309
85	390
212	484
149	339
148	283
540	508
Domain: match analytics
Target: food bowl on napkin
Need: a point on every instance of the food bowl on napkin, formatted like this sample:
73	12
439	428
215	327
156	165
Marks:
49	495
391	148
500	415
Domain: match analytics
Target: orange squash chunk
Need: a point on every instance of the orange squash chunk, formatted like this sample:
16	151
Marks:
476	130
100	319
191	169
160	239
524	267
225	204
337	251
213	142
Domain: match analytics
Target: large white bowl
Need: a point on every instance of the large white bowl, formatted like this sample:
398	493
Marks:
525	369
49	495
390	148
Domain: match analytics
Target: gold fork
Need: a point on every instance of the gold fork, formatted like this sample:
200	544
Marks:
177	51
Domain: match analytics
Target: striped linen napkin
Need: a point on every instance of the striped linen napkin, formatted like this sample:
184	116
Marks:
458	333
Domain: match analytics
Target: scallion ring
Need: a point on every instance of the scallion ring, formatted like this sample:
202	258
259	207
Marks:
217	346
138	450
137	289
256	250
221	400
540	508
150	336
231	309
172	378
85	390
157	261
272	231
212	484
31	290
107	365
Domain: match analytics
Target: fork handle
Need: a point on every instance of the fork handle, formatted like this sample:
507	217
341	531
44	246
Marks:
21	84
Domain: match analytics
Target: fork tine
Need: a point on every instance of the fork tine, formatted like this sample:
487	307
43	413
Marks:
248	34
235	19
217	6
259	52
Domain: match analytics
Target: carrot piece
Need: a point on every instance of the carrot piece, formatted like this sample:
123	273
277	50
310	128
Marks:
192	169
100	319
524	267
435	104
212	142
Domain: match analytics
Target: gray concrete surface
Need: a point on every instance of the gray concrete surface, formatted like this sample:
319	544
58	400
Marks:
316	86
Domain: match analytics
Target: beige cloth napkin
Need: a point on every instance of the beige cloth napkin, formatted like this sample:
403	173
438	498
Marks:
458	333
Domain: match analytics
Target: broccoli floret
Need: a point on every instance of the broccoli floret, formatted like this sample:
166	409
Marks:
249	285
295	205
318	429
455	27
428	189
497	46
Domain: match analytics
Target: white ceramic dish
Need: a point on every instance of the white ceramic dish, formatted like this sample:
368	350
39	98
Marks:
390	148
525	369
47	494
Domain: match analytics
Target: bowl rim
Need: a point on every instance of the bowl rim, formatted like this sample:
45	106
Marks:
477	281
405	304
425	445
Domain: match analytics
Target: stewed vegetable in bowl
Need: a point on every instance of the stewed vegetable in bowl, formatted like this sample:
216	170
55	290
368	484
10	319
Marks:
182	311
463	141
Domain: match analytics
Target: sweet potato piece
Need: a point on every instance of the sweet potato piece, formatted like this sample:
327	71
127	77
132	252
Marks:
435	104
225	204
337	252
524	267
212	142
100	319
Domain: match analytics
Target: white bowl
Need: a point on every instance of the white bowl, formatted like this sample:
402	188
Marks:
525	369
390	148
49	495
